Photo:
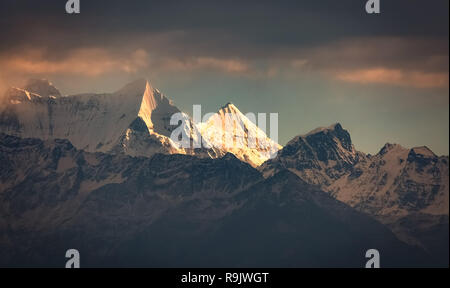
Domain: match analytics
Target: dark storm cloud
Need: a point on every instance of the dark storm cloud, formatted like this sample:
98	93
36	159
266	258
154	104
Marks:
216	27
428	53
407	42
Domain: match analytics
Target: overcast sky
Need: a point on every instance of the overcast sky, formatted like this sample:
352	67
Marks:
383	77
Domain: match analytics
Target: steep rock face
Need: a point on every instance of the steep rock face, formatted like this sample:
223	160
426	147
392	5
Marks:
231	131
42	88
397	186
319	157
174	211
397	181
406	189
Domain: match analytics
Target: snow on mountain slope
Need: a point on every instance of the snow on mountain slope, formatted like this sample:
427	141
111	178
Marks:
147	211
406	189
134	120
109	122
319	157
42	87
395	181
231	131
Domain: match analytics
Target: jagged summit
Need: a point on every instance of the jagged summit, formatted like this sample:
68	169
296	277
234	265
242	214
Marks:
152	106
395	185
231	109
34	89
156	110
42	87
228	105
318	157
333	127
231	131
334	137
390	147
424	151
50	193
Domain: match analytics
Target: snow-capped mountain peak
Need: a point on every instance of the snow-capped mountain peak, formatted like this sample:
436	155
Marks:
318	157
231	131
230	108
154	113
155	109
330	145
398	186
108	122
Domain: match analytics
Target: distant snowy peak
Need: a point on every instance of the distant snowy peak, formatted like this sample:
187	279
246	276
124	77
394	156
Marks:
413	154
229	130
152	130
156	111
135	120
334	132
42	87
331	128
397	181
330	145
318	157
423	152
154	108
390	184
35	89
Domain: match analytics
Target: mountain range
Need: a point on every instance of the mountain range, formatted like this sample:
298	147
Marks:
100	172
405	189
134	120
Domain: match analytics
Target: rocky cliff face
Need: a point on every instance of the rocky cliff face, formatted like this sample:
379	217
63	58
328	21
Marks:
319	157
391	185
67	160
174	210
